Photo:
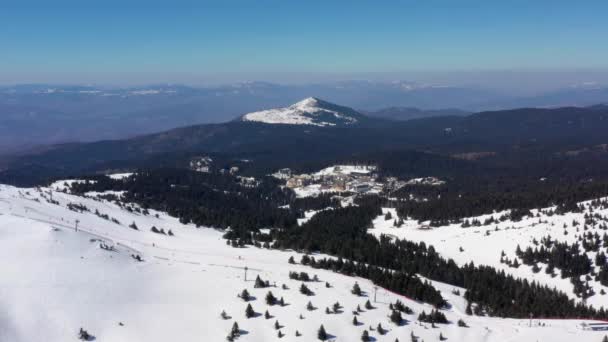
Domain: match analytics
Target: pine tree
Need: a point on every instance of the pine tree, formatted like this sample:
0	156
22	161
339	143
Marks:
468	310
396	317
298	333
279	334
380	329
305	290
245	295
277	326
270	298
259	283
291	260
365	336
322	334
249	313
356	290
266	315
355	321
235	331
281	302
84	335
309	306
368	305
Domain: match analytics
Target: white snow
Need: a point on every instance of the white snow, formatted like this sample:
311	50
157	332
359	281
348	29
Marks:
311	190
56	280
483	245
305	112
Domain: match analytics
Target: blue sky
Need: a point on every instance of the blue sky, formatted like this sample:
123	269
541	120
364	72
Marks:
66	40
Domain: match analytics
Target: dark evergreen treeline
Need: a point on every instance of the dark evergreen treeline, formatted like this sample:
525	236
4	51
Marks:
447	206
568	258
406	284
212	199
319	202
205	199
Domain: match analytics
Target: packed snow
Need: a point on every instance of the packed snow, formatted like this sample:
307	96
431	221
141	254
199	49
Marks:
56	279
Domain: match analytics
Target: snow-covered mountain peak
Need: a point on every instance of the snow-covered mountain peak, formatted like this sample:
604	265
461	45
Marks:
307	102
309	111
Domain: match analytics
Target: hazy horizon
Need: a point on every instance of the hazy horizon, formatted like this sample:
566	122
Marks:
519	45
509	81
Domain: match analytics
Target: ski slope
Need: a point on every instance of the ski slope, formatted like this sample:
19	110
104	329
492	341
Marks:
56	279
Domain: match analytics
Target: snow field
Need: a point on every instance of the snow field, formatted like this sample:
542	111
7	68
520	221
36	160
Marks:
56	279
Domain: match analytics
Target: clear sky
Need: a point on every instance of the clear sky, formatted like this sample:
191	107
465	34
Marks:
176	40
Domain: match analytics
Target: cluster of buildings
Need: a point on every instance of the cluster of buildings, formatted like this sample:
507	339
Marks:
359	179
201	164
205	164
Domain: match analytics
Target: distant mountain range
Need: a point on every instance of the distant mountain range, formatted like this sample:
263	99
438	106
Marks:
312	131
409	113
34	115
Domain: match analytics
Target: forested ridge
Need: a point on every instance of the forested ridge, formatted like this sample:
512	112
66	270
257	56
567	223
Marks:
343	233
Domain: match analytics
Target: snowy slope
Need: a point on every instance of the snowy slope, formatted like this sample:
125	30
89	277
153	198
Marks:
310	111
484	244
56	279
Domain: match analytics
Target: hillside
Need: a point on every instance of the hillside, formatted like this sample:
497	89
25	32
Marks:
409	113
533	135
188	279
